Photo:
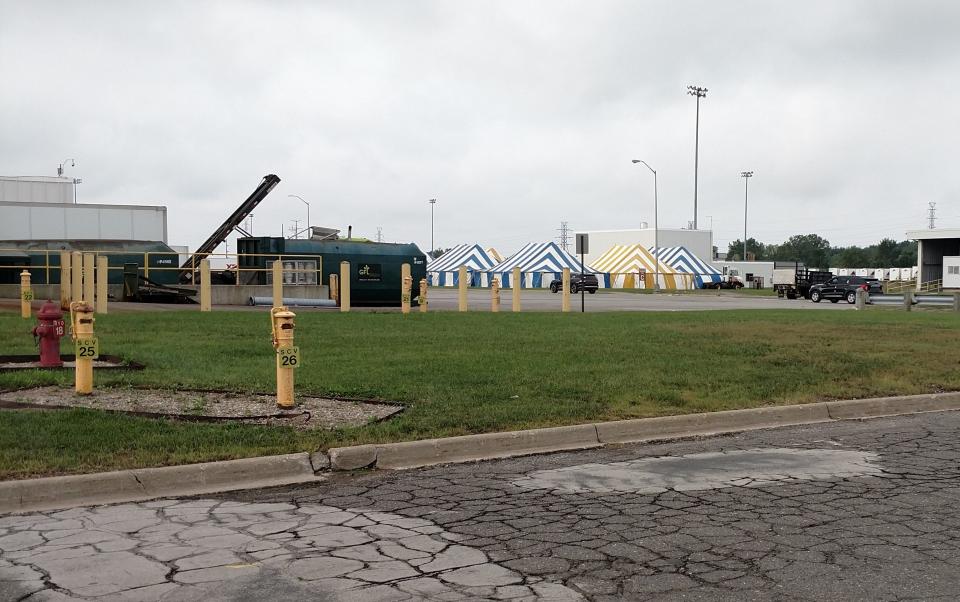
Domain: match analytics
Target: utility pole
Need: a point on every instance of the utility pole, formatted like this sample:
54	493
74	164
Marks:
932	215
699	93
746	175
564	235
295	229
433	203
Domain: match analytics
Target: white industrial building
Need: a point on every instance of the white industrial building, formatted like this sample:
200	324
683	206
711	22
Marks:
698	242
43	208
938	256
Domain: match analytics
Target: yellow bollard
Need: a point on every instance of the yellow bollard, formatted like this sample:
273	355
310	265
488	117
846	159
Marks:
205	285
406	286
422	300
288	356
334	288
515	283
85	344
65	280
344	286
89	263
277	283
565	292
26	294
103	276
462	288
495	295
405	292
76	276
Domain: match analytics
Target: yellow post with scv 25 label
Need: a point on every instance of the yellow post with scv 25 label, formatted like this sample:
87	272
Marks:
26	294
86	346
288	356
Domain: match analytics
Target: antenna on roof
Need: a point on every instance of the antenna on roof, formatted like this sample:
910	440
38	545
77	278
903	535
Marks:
932	215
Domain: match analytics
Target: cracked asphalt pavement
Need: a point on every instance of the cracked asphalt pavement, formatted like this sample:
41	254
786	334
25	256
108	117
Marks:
853	510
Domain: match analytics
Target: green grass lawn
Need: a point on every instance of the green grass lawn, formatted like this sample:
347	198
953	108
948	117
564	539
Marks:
470	373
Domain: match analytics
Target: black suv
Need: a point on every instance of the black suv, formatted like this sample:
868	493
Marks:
844	287
590	283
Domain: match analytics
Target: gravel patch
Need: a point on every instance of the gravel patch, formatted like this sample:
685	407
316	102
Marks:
310	412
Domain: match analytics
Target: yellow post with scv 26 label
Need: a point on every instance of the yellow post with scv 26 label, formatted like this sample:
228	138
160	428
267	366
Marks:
288	356
26	294
86	346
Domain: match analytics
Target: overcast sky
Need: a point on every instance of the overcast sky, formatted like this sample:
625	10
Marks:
515	115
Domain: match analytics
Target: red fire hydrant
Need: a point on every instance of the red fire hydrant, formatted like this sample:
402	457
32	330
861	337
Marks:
48	334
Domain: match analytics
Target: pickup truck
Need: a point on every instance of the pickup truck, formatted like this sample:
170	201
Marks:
589	283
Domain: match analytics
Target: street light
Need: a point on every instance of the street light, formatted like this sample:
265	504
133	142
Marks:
656	229
746	175
432	203
308	212
699	93
73	163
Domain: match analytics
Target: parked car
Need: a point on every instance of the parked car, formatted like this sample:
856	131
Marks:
844	287
589	283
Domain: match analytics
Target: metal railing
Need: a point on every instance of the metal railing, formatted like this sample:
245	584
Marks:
928	300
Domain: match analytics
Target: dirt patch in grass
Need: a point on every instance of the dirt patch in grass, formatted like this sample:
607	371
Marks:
309	413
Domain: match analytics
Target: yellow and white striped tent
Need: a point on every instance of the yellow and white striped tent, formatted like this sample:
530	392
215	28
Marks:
633	266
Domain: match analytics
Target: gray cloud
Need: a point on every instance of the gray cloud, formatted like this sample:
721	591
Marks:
515	115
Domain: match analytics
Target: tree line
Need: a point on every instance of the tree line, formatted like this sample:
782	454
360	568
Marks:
815	251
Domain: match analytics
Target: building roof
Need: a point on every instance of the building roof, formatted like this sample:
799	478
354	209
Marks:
935	233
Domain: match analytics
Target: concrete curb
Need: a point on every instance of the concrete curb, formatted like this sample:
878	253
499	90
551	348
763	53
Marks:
470	448
53	493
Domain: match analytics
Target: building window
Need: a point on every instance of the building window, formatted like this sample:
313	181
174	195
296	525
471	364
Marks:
953	269
295	272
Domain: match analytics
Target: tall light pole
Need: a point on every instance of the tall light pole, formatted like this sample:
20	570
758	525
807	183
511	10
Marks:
308	212
432	203
699	93
656	229
746	175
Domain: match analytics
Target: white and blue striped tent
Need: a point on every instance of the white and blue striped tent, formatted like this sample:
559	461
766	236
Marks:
444	270
539	264
685	262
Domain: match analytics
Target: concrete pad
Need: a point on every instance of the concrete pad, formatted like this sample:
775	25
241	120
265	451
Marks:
712	470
